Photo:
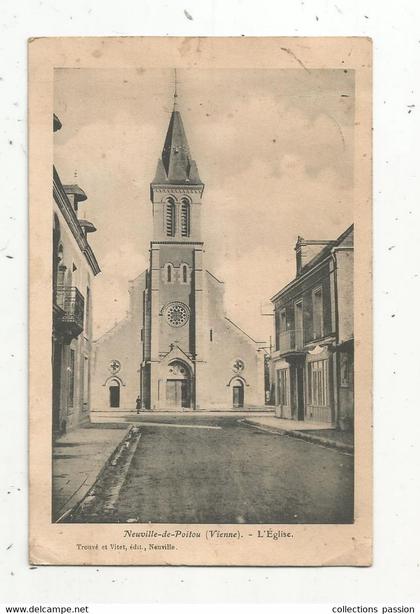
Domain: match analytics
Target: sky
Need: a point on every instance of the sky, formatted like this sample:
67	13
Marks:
274	149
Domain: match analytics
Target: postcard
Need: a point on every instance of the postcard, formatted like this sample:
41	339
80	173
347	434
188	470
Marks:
200	301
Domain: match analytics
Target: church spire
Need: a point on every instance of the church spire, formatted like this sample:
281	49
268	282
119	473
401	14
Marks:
176	165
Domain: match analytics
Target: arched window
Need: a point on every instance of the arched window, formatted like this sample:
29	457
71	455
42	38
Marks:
169	273
170	217
185	218
184	273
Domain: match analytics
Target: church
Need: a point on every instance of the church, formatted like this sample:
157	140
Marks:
176	349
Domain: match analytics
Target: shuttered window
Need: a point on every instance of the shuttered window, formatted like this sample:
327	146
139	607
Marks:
277	328
317	309
283	386
318	383
70	389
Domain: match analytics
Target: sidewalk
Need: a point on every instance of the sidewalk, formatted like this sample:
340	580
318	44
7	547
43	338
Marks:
313	432
78	457
122	416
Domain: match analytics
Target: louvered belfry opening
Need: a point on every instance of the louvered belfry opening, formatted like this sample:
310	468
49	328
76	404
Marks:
170	217
185	218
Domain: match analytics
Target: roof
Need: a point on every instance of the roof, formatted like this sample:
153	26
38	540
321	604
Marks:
325	251
79	194
73	223
241	330
214	277
87	226
317	259
56	123
176	165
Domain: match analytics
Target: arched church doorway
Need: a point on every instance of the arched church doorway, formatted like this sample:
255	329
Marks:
114	393
238	393
178	385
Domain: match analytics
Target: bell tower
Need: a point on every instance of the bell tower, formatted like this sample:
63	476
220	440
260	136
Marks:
176	347
177	189
173	346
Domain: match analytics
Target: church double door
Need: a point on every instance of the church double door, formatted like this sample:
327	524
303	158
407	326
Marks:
178	393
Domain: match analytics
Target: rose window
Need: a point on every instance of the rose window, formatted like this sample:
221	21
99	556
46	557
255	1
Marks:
238	365
177	314
114	366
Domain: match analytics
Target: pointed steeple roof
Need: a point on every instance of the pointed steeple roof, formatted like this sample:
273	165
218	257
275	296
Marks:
176	165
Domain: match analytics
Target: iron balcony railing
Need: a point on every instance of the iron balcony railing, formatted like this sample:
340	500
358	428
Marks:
291	340
71	301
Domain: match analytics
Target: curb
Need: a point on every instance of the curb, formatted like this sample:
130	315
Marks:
315	439
323	441
259	427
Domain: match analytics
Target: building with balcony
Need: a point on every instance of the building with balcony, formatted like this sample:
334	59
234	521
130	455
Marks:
313	356
74	266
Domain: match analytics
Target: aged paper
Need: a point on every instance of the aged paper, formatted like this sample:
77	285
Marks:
200	301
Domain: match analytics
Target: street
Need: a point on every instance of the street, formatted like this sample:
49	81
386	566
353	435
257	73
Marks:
215	469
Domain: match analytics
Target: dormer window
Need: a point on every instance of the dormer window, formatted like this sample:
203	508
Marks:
185	218
170	217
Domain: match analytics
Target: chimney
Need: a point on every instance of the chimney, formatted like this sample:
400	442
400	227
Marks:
306	250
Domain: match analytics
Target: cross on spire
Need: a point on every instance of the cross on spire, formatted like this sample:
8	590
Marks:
175	90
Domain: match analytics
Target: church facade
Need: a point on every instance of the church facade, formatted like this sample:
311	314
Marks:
176	348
